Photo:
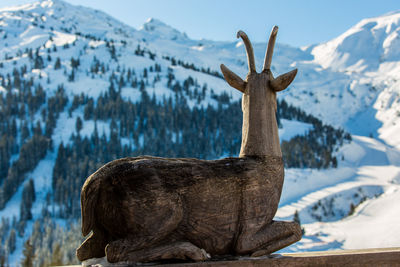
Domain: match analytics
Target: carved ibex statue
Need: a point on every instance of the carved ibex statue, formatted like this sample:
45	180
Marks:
148	208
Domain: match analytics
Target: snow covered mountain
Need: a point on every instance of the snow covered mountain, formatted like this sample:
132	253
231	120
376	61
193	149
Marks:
368	54
365	46
72	77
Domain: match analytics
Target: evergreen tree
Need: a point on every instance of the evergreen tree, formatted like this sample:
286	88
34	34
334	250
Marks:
296	219
3	260
57	65
28	197
39	64
75	63
12	241
28	252
38	129
30	154
57	256
71	77
78	124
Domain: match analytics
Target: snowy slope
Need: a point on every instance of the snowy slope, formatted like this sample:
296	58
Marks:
368	53
365	85
355	206
351	82
368	179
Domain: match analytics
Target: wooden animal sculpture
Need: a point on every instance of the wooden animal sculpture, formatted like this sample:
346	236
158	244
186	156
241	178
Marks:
143	209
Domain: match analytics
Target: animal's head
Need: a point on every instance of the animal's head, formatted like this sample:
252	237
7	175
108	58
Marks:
261	87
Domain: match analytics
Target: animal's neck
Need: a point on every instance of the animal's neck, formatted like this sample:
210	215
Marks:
260	129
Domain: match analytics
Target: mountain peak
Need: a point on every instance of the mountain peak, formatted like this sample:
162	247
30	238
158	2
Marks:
34	5
159	28
364	46
153	22
64	18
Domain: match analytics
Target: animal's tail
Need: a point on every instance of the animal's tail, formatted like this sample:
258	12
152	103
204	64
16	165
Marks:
89	197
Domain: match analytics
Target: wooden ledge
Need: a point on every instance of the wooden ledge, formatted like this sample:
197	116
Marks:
354	257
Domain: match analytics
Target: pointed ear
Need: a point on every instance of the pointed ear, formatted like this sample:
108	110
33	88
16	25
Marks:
282	82
233	80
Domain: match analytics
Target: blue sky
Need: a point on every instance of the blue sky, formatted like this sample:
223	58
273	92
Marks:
301	22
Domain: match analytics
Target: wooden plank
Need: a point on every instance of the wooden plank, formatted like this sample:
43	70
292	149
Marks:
354	257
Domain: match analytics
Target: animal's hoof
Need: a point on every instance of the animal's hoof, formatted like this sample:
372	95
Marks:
83	253
204	255
112	254
260	253
198	254
207	255
186	250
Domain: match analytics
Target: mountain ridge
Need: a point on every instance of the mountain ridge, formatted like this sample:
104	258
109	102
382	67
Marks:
348	50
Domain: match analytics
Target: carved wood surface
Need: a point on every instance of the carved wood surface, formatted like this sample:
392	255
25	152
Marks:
214	205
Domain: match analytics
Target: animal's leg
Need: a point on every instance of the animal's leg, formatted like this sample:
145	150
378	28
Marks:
269	238
93	246
121	250
258	232
150	221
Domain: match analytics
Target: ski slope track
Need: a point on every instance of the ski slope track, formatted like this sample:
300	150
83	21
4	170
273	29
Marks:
369	180
352	82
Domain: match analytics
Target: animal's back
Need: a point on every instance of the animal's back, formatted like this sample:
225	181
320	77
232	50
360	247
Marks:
201	199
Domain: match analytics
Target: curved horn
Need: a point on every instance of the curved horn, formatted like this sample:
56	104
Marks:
249	50
270	49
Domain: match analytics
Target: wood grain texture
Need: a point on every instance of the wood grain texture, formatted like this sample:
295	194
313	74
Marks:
353	257
282	82
249	50
145	202
260	129
270	48
233	80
